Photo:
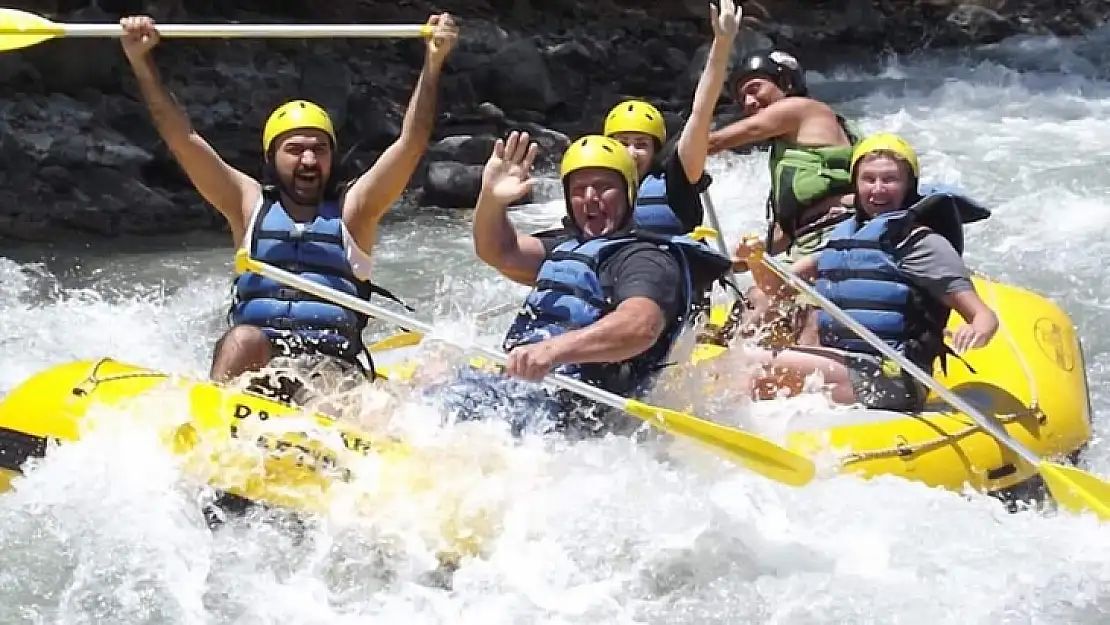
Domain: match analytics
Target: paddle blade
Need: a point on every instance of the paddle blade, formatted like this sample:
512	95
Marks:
243	261
401	372
701	233
19	29
397	341
1076	490
761	456
706	351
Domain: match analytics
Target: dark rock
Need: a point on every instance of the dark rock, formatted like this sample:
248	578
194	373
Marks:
518	79
464	149
452	185
78	63
79	152
551	143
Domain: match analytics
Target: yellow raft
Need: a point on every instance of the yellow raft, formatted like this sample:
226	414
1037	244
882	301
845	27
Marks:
1031	377
248	449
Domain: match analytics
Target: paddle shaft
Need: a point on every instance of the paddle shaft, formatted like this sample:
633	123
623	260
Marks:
368	308
953	399
715	224
291	31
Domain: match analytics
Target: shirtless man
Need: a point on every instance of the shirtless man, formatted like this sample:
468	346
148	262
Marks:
809	163
809	157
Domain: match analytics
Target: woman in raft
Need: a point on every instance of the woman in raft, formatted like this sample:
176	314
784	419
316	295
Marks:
897	269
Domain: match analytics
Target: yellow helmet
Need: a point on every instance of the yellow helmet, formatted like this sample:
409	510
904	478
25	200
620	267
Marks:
598	151
886	142
636	116
293	115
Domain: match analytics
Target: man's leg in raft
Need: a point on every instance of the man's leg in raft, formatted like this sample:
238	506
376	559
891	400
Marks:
787	370
807	320
477	394
780	325
852	378
242	348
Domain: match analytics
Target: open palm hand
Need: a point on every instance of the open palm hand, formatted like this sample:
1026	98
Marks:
507	176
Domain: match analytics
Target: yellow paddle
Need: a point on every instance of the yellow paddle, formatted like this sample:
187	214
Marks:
1072	488
20	29
762	456
396	341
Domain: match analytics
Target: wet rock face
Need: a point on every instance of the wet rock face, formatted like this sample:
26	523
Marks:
78	152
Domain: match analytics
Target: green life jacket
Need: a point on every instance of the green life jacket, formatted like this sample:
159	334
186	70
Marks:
802	176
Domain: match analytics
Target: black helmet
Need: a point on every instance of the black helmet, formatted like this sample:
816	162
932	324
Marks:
775	65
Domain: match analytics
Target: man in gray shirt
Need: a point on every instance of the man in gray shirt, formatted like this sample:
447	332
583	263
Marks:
933	264
924	260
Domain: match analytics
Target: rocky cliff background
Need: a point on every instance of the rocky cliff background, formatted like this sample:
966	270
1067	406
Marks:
79	155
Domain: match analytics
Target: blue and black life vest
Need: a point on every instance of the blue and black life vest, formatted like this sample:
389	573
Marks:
858	271
653	211
569	294
315	251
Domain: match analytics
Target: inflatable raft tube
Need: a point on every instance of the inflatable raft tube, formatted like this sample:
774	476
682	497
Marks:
1031	377
285	460
240	443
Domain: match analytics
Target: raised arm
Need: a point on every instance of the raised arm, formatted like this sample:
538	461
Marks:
693	143
227	189
505	179
781	118
378	188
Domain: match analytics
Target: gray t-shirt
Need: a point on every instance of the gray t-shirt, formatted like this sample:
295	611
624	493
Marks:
931	262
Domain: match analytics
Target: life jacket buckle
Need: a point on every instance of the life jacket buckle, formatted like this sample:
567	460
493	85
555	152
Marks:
281	323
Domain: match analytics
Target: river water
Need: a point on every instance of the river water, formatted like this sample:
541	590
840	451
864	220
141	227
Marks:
107	531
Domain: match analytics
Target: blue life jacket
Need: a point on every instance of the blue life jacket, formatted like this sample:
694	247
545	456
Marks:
568	295
653	211
316	252
858	271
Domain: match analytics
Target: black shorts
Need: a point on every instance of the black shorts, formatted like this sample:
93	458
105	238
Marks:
312	348
881	383
311	365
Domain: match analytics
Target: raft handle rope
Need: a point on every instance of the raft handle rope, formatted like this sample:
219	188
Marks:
905	450
93	380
